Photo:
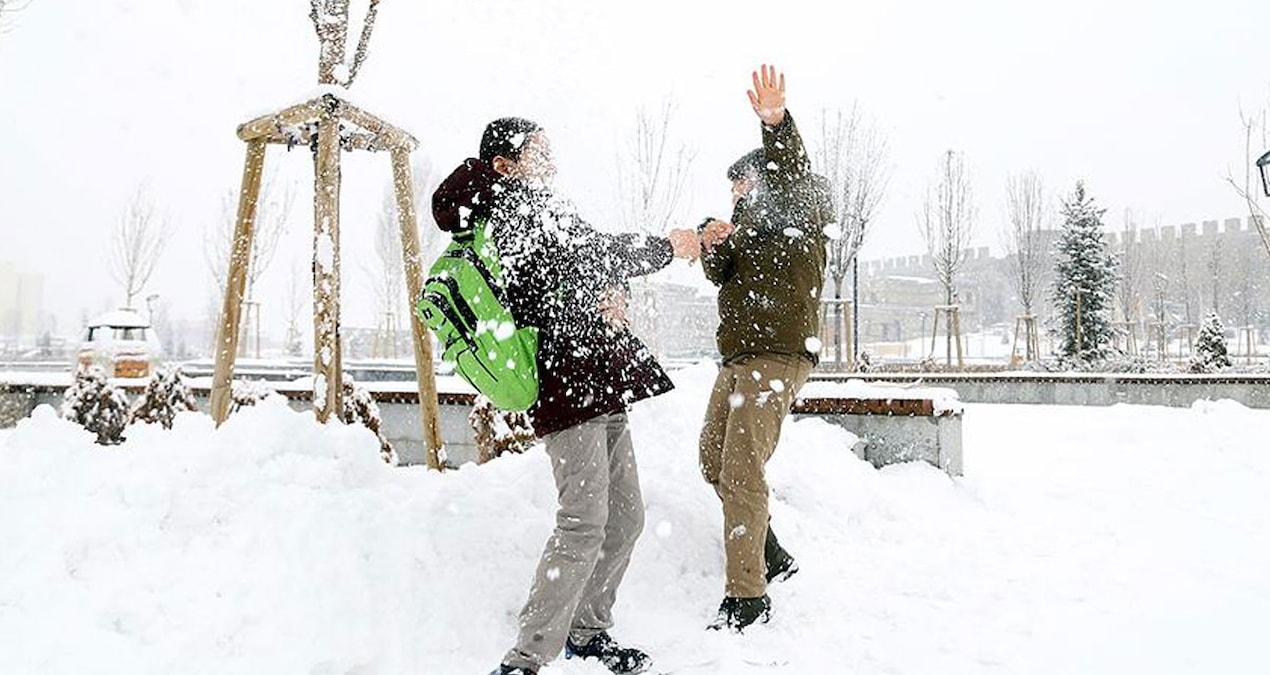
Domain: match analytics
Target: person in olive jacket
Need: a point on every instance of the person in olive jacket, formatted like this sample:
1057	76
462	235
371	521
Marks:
768	263
567	279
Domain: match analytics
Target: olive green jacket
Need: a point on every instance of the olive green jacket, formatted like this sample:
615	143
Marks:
770	271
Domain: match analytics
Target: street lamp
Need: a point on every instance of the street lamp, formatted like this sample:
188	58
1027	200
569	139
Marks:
1264	165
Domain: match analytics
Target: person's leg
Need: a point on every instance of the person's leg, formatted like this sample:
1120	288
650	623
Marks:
625	523
579	461
767	385
714	428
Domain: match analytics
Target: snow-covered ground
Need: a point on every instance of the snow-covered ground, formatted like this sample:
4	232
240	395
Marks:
1081	540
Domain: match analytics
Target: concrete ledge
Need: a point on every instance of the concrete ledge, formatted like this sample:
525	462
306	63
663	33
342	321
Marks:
894	430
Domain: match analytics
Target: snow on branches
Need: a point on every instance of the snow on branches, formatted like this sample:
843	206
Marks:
97	405
165	395
499	432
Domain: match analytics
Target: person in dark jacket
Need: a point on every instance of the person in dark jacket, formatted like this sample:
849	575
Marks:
568	280
768	263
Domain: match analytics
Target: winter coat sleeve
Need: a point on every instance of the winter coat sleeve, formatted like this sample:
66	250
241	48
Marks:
718	261
787	161
635	255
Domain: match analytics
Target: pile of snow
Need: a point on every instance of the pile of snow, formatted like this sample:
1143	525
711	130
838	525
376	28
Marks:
1091	540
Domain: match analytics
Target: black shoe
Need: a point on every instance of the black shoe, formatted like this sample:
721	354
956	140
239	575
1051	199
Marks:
736	614
780	564
504	669
618	659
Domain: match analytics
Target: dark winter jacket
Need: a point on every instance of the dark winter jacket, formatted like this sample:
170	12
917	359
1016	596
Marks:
557	268
771	270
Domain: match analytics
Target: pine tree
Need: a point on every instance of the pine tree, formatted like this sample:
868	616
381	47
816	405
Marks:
1210	346
1085	278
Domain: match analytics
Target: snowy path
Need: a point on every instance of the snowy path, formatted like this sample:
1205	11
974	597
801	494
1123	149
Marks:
1090	540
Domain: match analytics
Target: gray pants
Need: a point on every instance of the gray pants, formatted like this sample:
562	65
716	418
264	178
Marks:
601	515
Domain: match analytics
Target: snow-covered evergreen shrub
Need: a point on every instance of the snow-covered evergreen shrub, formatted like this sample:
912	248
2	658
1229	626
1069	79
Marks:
499	432
97	405
360	408
1085	278
165	395
1210	346
245	393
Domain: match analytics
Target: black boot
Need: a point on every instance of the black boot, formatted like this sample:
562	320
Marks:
505	669
780	564
616	658
736	614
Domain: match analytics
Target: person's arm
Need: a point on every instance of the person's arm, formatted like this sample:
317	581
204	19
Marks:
787	160
718	252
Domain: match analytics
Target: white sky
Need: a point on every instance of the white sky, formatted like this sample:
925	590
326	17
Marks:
1141	99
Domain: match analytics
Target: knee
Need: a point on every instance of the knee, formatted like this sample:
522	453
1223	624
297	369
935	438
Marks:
582	528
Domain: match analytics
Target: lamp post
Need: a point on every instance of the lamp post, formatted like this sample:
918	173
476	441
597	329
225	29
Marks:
1264	165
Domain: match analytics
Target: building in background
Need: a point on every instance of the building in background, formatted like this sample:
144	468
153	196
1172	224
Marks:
22	320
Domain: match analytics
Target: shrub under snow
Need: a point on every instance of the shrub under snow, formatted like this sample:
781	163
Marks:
97	405
166	395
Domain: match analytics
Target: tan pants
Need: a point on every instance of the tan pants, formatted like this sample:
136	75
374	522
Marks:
751	398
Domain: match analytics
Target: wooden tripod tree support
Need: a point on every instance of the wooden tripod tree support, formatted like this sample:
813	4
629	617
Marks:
1031	339
835	329
952	313
1129	331
329	125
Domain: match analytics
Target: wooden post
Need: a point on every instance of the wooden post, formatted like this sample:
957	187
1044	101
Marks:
847	336
956	323
1034	339
328	385
428	408
239	259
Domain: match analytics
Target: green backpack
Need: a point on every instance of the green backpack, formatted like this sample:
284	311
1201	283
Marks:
463	304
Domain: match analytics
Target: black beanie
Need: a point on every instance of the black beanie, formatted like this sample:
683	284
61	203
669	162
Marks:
750	161
504	137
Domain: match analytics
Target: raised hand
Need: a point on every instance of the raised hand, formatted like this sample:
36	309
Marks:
768	95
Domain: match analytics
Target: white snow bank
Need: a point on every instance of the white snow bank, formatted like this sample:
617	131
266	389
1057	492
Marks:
1091	540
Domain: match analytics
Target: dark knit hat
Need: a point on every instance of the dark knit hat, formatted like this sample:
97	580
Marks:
751	161
504	137
466	192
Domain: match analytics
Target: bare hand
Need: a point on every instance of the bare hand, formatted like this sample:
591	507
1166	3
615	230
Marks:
716	231
686	244
613	308
768	95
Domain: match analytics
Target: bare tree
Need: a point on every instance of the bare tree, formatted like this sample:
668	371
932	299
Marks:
1216	271
8	8
652	174
136	245
852	156
1025	244
330	20
272	213
946	221
387	271
299	300
1247	186
1129	291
